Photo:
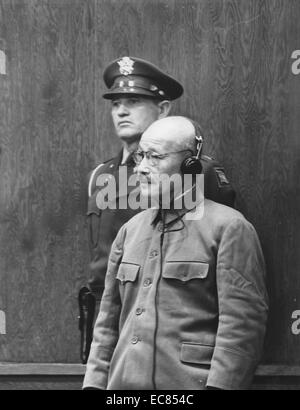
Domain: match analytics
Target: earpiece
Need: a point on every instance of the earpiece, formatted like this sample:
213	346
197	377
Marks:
192	165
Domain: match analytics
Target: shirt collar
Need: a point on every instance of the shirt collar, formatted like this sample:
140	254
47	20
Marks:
170	215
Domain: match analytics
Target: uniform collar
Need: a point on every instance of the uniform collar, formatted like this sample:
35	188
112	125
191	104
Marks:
118	158
129	160
171	215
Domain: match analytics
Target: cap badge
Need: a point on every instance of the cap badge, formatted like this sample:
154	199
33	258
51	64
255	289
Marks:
126	66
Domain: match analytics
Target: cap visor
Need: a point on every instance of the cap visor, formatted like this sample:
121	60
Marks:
131	91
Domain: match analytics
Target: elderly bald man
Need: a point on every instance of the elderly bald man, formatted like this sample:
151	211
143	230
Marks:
185	302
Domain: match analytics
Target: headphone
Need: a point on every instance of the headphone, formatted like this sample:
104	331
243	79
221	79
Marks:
192	164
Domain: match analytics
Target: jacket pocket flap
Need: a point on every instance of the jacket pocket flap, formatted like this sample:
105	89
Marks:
128	272
196	353
185	271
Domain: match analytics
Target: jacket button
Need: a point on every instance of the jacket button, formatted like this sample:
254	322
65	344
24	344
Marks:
153	254
134	340
139	311
147	282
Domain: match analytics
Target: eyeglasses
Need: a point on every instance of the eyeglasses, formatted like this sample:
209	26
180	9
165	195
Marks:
152	157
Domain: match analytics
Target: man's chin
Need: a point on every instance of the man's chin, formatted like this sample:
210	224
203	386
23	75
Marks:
128	135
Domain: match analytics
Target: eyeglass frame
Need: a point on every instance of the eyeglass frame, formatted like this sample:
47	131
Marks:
156	158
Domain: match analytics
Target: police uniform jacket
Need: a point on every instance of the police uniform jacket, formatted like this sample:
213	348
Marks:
184	306
103	225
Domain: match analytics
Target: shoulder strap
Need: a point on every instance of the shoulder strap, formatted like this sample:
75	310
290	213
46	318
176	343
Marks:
115	160
95	171
92	179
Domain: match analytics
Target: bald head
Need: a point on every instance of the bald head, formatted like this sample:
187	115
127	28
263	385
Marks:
162	149
174	133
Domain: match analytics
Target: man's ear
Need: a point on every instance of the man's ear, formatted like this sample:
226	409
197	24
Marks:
164	108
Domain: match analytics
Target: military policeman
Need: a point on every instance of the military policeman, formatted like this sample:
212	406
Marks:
140	93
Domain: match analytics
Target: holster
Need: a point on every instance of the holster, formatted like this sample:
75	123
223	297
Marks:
87	304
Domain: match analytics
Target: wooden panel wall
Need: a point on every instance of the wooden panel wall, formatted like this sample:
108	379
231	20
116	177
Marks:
234	60
47	116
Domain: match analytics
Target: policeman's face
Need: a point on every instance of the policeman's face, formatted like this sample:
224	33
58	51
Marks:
132	115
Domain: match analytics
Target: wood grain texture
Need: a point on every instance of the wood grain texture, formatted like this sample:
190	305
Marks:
49	115
42	369
41	383
233	58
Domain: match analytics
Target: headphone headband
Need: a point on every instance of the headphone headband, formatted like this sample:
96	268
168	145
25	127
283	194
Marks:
199	146
192	165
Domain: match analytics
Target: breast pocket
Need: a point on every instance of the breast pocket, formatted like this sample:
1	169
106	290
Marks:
128	273
93	221
185	271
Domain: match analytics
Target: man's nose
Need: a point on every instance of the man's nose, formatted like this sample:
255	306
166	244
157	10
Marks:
122	110
143	167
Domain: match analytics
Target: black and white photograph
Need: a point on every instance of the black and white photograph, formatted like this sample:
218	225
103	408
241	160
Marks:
150	197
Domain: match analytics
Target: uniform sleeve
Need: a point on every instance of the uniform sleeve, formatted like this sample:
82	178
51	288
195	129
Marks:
243	308
106	327
99	238
98	263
